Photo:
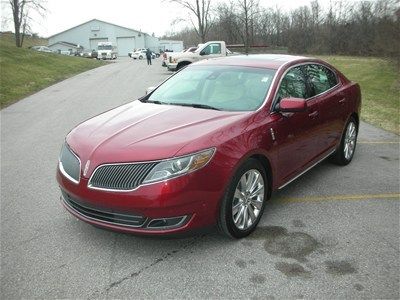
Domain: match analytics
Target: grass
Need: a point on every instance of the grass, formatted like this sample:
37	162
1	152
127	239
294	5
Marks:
24	71
379	80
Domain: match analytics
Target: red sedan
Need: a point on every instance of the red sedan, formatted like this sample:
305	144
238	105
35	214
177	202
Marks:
209	145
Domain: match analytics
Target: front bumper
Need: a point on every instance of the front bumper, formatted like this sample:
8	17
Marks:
172	66
177	205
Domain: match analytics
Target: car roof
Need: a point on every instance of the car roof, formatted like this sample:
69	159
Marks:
268	61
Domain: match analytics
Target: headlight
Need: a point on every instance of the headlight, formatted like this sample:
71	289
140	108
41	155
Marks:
179	166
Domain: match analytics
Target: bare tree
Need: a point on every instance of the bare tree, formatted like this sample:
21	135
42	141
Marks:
21	10
201	10
248	9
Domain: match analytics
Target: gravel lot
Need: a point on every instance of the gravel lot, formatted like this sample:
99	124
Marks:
333	233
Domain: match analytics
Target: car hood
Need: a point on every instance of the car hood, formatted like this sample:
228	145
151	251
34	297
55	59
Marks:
143	132
184	55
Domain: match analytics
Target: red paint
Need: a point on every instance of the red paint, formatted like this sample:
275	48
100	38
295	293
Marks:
138	132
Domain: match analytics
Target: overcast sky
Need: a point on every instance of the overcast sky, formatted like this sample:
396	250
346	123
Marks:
146	15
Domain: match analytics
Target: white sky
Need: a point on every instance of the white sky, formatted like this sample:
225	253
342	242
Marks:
146	15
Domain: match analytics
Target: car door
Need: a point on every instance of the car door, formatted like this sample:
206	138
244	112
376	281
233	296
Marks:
326	90
297	134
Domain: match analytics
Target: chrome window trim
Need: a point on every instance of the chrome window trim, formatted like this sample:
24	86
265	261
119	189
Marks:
62	170
272	84
272	110
147	162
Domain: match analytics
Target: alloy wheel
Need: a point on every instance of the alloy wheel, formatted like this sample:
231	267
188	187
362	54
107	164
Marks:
350	141
248	199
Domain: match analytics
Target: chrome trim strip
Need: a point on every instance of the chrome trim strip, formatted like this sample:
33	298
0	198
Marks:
272	84
179	224
66	175
99	220
62	170
144	162
306	170
272	110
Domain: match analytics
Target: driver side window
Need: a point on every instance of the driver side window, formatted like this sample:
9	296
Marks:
212	49
293	85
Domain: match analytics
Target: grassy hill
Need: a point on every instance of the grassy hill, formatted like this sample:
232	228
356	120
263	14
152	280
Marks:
379	80
24	71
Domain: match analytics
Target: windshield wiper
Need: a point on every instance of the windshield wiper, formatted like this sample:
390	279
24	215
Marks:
153	101
195	105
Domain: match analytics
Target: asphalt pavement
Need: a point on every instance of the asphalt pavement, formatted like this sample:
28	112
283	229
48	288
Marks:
333	233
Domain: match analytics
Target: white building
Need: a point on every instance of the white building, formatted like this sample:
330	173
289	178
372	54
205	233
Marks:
175	46
89	34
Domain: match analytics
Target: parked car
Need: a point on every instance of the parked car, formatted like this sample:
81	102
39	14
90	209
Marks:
209	145
42	49
89	53
141	54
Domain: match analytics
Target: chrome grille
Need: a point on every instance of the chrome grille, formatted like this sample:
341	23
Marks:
103	215
120	176
70	165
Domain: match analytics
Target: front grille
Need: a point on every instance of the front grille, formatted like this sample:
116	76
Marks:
123	177
69	164
102	215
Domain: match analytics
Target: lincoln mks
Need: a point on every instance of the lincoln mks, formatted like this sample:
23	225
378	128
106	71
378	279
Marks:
209	145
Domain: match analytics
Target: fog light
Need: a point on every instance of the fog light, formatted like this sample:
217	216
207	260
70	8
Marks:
165	223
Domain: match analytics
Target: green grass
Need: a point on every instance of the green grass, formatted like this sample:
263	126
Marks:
379	80
24	71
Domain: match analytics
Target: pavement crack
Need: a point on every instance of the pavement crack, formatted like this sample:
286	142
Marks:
152	264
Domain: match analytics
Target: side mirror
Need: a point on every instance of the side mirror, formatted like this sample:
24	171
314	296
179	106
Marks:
150	89
292	105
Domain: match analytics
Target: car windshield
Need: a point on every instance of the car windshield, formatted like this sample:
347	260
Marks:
105	47
228	88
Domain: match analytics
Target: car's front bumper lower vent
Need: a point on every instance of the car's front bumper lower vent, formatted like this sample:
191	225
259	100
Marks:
122	177
102	215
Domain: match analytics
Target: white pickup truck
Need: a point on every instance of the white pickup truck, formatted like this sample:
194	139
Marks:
208	50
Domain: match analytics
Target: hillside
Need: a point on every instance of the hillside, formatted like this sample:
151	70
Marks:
379	80
24	71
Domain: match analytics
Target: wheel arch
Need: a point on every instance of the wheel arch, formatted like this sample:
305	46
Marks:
356	117
268	169
181	64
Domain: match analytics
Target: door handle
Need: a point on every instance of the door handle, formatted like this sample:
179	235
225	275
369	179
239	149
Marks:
313	114
342	101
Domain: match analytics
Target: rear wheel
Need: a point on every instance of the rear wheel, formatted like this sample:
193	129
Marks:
344	154
244	202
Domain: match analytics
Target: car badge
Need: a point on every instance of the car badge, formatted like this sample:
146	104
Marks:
86	168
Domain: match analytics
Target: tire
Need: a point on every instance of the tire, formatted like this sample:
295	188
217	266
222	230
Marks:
181	65
140	57
345	153
235	209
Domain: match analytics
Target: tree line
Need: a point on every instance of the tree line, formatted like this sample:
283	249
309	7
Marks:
368	28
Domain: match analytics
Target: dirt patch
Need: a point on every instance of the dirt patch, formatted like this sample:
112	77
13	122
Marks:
340	267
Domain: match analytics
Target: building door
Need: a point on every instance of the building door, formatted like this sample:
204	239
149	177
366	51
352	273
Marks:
125	45
95	41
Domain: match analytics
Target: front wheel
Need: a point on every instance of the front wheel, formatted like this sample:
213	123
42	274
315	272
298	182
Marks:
244	201
344	154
